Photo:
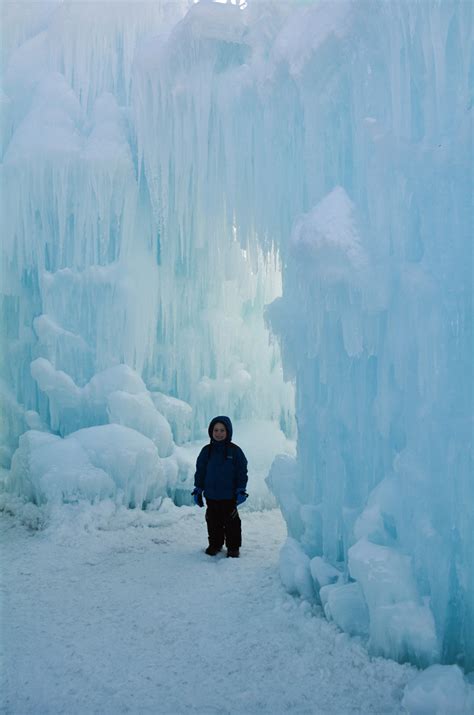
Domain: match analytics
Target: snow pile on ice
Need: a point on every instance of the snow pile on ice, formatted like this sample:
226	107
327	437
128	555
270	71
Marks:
91	464
132	460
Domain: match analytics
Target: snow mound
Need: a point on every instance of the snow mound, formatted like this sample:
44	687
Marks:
92	464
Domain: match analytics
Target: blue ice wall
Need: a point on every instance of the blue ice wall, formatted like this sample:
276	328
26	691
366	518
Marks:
341	134
107	259
376	320
376	323
336	136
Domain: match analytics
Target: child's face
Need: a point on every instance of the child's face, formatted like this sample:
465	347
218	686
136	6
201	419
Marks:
219	432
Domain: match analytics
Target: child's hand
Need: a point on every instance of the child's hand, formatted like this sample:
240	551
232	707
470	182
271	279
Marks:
197	494
241	497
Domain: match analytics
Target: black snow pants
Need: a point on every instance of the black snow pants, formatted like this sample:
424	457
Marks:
223	523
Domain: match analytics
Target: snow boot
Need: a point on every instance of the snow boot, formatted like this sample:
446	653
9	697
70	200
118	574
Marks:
233	553
213	550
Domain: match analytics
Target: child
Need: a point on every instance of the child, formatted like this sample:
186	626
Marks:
221	475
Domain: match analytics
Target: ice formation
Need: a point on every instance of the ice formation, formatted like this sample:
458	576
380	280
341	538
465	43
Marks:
439	689
375	322
114	312
161	162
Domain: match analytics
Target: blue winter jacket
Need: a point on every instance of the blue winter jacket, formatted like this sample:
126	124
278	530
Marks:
221	468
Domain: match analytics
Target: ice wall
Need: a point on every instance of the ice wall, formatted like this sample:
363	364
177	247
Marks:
334	137
95	273
339	133
375	322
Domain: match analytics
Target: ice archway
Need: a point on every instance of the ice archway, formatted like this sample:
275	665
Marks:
155	155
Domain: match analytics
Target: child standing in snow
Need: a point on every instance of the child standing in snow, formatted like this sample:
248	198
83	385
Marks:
221	476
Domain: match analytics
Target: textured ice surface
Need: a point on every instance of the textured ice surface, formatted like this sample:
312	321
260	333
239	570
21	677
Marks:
439	689
166	180
139	412
95	463
177	412
376	315
347	607
401	623
295	570
96	272
323	573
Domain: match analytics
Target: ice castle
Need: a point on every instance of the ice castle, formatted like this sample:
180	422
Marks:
262	208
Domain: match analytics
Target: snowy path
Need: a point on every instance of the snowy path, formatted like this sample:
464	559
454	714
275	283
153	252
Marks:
140	620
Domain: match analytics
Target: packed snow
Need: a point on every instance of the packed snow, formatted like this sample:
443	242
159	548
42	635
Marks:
114	610
130	615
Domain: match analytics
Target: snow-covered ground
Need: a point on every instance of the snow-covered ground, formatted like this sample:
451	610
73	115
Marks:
111	611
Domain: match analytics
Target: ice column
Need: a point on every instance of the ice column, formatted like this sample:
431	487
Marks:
376	322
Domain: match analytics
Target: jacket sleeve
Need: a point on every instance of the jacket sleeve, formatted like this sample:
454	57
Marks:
242	476
201	466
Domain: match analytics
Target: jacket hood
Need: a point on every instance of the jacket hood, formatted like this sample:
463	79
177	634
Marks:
227	424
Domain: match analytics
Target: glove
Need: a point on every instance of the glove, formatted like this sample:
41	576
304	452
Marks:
241	497
197	494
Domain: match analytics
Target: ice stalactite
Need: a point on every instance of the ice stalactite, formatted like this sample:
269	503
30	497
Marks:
221	277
